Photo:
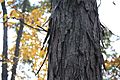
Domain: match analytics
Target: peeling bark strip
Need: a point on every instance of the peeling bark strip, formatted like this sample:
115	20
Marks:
74	43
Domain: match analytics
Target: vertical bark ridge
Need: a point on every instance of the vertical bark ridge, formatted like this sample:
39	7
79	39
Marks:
74	44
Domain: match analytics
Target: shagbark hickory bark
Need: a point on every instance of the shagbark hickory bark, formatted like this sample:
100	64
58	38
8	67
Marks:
74	43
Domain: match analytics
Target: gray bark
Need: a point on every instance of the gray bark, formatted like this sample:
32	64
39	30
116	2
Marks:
74	43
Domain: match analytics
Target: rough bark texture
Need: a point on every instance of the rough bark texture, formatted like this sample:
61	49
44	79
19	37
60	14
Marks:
5	44
74	43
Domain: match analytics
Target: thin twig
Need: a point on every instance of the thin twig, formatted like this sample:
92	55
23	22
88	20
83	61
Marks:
42	64
35	28
44	23
99	4
41	27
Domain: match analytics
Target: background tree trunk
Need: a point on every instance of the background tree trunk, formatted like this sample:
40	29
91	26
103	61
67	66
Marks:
17	46
5	43
74	43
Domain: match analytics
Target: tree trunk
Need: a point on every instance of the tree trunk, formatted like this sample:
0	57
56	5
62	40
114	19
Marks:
17	49
16	53
74	43
5	43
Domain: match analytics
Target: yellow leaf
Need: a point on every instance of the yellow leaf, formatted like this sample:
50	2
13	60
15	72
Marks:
46	28
36	14
42	52
25	56
15	14
5	17
10	2
10	24
27	37
38	23
1	1
35	11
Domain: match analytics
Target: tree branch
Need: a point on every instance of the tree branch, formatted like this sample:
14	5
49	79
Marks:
42	64
33	27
